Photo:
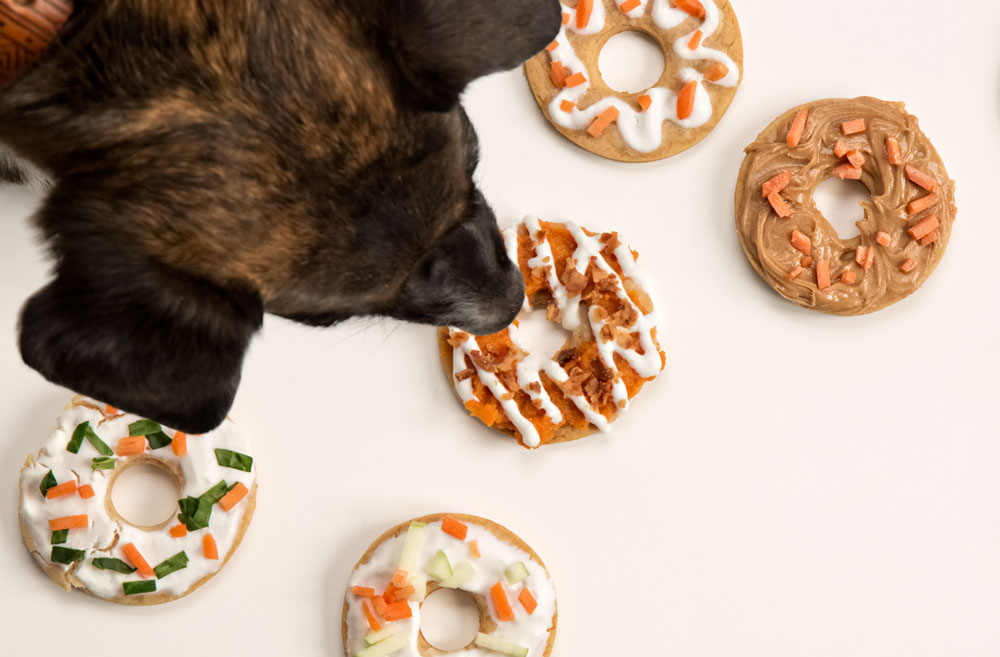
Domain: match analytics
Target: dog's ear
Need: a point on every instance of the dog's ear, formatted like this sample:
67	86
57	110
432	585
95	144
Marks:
440	46
140	336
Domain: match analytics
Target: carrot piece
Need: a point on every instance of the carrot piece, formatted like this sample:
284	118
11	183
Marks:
693	7
779	205
474	549
576	80
131	446
381	606
567	105
110	410
716	72
922	203
557	73
398	611
583	10
848	278
552	46
908	266
892	151
792	275
925	226
920	178
527	601
629	5
389	595
860	254
233	497
455	528
403	593
883	238
180	443
603	120
363	591
840	148
685	100
501	603
645	102
806	262
823	274
65	488
847	172
85	491
179	531
565	18
399	578
370	613
801	242
930	238
69	522
776	184
132	554
856	158
797	128
852	127
695	40
209	548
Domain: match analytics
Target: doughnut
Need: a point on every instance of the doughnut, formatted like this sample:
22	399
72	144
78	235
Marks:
588	283
71	527
906	224
703	61
507	580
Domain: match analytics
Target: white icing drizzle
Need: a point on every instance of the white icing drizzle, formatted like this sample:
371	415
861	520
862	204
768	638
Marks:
647	364
642	130
104	537
528	630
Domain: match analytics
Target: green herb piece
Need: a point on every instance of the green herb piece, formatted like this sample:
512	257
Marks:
77	439
103	463
66	555
134	588
158	439
84	430
60	536
143	428
171	565
117	565
48	481
235	460
196	511
95	440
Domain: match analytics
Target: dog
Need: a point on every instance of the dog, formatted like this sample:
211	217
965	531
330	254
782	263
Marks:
213	160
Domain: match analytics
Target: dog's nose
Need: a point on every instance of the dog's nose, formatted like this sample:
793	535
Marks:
500	305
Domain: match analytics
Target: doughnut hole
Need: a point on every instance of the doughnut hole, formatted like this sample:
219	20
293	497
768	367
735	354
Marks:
143	492
539	336
839	201
630	62
450	619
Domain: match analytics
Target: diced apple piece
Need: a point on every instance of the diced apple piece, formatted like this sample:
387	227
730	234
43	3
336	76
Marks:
385	647
501	646
439	569
419	585
411	546
375	637
516	573
463	573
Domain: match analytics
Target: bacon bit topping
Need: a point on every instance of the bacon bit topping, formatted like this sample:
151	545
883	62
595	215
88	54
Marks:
629	5
848	278
840	148
645	101
693	7
883	238
601	371
823	274
583	11
534	387
924	227
892	151
853	127
797	128
611	241
856	158
776	184
922	203
567	105
695	40
575	281
779	205
558	74
918	177
467	373
565	356
801	242
491	361
792	275
552	46
685	100
603	120
458	338
576	80
928	239
806	262
908	266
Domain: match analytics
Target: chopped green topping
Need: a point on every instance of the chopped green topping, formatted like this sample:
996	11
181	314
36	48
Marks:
134	588
235	460
60	536
196	511
502	646
516	572
385	647
66	555
171	565
117	565
463	573
375	637
143	428
103	463
158	439
77	439
48	481
84	430
439	568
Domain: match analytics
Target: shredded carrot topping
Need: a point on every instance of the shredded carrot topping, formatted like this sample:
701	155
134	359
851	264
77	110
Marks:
645	102
603	120
806	262
110	410
924	227
381	606
399	578
930	238
840	148
454	527
501	603
848	278
776	184
892	151
369	612
131	446
859	255
856	158
179	531
908	266
85	491
233	497
797	128
852	127
922	203
716	72
209	548
65	488
552	46
527	601
474	549
629	5
801	242
140	564
363	591
583	10
693	7
883	238
180	443
918	177
398	611
847	172
567	105
557	73
576	80
565	18
783	209
823	274
685	100
695	40
792	275
69	522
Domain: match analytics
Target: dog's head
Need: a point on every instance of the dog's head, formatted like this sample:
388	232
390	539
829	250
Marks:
312	161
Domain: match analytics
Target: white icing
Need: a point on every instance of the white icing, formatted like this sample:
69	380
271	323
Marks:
528	630
201	471
647	364
642	130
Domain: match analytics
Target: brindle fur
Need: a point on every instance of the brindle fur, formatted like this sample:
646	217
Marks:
213	160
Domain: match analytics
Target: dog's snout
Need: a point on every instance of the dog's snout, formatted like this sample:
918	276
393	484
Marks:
504	302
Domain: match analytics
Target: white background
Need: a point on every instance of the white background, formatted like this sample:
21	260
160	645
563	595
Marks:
793	484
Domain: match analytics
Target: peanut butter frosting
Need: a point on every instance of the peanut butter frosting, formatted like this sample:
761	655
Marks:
906	223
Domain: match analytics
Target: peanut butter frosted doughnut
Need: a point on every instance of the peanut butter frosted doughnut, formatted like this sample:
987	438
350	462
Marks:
906	224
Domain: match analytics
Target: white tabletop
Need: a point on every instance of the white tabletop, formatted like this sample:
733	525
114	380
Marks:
793	484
